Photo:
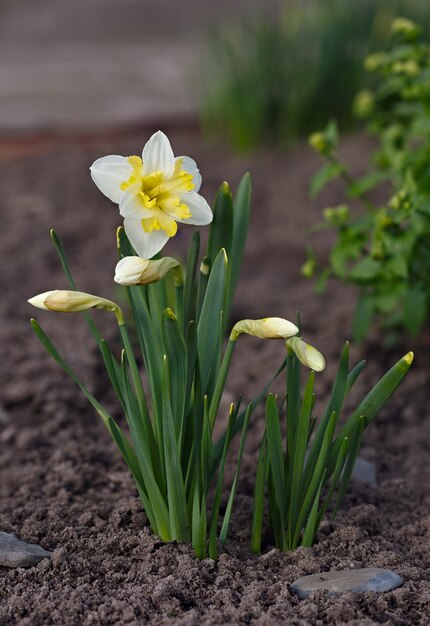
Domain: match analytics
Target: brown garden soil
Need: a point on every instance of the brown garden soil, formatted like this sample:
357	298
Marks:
63	484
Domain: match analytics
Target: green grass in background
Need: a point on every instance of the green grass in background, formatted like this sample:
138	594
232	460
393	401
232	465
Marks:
272	81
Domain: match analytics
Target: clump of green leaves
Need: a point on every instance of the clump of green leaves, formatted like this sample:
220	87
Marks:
180	318
307	473
384	248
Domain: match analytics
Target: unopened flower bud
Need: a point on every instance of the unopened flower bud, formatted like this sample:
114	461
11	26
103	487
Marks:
307	354
132	270
308	268
64	301
318	142
266	328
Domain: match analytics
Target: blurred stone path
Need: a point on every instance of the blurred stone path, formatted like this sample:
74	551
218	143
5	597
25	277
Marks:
84	63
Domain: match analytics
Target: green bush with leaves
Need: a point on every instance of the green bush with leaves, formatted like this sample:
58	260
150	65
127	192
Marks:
274	79
384	247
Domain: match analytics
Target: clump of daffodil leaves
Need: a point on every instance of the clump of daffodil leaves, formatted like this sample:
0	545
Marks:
181	314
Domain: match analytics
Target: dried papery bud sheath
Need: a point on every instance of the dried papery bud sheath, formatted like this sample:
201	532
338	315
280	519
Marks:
307	354
133	270
64	301
265	328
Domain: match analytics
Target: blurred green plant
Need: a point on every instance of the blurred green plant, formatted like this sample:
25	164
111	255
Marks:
271	81
384	249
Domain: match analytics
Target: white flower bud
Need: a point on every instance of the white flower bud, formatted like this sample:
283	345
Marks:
266	328
307	354
64	301
132	270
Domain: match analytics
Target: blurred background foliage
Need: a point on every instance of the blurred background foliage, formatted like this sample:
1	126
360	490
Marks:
273	80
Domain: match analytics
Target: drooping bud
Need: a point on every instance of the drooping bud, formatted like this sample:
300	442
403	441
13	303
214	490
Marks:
307	354
64	301
266	328
132	270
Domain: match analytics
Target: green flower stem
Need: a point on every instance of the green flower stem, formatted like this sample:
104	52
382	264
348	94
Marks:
220	383
179	305
137	382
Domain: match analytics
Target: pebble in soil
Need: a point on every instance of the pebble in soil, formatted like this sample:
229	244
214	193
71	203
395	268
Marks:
17	553
356	580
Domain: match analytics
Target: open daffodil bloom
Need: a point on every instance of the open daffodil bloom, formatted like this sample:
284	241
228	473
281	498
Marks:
153	192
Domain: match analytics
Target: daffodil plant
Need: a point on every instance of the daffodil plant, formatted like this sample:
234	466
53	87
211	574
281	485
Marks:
310	471
181	317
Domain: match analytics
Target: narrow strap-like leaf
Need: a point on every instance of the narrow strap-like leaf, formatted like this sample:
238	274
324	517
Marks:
312	523
379	395
356	440
335	404
209	331
190	279
276	457
178	513
221	228
176	358
258	504
340	462
229	508
213	549
318	472
241	213
298	456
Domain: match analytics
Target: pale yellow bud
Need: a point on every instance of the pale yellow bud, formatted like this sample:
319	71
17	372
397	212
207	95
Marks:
64	301
266	328
307	354
132	270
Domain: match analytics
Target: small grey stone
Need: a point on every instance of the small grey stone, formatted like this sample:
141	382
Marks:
4	416
357	580
364	472
17	553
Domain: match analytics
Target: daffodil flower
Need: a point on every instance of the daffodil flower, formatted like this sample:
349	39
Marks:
153	192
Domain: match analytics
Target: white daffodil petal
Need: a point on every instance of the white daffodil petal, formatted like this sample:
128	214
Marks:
145	244
130	204
201	213
190	166
158	155
109	173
